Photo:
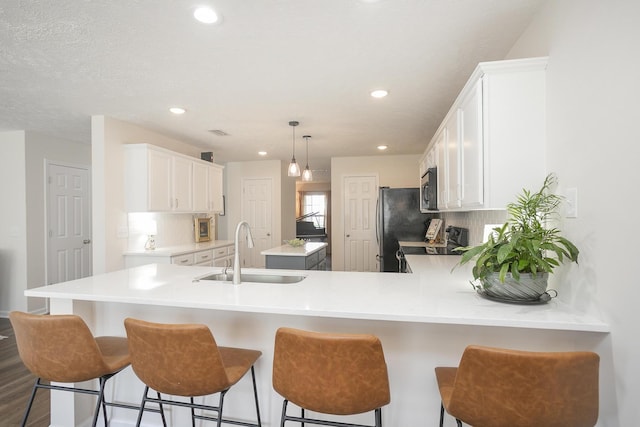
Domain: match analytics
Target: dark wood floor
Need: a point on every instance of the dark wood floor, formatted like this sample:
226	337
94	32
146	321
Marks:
16	383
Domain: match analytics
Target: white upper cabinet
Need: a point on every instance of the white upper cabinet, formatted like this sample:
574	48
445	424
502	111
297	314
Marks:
491	144
471	154
159	180
151	189
215	200
182	181
201	187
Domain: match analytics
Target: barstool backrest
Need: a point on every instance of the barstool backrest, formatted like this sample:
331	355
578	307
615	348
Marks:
339	374
506	387
58	348
177	359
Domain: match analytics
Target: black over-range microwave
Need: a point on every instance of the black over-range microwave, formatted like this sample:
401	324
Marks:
429	190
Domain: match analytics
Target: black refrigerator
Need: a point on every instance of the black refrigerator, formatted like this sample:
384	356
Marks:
399	218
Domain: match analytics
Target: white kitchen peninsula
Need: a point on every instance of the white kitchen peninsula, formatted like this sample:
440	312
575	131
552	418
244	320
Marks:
423	320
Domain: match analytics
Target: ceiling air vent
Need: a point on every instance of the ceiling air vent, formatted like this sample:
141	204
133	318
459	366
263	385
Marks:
218	132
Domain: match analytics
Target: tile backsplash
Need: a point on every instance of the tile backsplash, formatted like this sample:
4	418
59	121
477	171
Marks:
474	221
172	229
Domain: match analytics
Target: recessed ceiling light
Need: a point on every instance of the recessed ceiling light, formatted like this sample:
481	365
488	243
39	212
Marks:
382	147
380	93
177	110
262	153
206	15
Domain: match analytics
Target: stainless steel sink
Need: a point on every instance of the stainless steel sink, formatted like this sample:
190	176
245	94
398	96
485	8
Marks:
254	278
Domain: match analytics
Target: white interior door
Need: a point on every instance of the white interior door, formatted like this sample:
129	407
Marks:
360	248
257	211
68	223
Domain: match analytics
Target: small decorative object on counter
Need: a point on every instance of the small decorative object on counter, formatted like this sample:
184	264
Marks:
514	263
294	242
151	229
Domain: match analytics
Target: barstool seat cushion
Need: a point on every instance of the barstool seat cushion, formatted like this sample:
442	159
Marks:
236	361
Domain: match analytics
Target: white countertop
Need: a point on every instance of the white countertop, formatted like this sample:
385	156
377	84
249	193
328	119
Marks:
420	244
431	295
177	250
288	250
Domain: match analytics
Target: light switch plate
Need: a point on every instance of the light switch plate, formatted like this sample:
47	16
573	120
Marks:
571	200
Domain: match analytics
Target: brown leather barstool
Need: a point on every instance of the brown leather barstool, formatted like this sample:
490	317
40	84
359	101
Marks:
336	374
184	360
494	387
61	348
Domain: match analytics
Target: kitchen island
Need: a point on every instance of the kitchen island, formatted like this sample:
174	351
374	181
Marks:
309	256
423	320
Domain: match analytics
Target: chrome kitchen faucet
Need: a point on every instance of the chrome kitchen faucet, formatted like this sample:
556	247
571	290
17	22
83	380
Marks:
236	259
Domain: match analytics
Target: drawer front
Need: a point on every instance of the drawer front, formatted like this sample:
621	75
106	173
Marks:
311	261
322	253
219	252
182	259
231	250
203	256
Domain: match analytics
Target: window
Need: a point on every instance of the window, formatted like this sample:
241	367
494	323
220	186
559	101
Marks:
315	203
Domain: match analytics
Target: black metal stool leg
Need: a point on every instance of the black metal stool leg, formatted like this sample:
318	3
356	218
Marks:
142	405
255	395
193	413
441	414
284	412
30	404
164	420
101	403
222	393
378	415
96	412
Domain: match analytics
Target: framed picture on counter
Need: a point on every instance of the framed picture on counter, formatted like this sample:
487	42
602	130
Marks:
203	229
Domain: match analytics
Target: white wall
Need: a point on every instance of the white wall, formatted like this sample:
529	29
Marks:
41	148
593	136
283	200
13	222
22	225
392	171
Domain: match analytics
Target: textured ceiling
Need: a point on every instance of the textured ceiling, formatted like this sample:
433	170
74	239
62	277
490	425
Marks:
266	63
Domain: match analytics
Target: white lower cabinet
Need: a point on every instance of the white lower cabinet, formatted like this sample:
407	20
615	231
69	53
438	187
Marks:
218	255
223	257
186	259
204	258
491	143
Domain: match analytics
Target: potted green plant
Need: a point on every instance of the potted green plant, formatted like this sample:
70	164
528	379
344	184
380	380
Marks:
515	262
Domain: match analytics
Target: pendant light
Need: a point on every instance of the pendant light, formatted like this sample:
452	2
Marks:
294	169
307	175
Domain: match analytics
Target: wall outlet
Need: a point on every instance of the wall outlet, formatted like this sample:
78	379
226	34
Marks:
571	200
123	232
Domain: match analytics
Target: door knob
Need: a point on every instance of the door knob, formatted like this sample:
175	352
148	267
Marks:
268	234
348	235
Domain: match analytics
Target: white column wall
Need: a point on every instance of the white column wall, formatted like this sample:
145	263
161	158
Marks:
592	145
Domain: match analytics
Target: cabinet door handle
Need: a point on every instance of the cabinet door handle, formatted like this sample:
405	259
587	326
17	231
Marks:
86	241
268	234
